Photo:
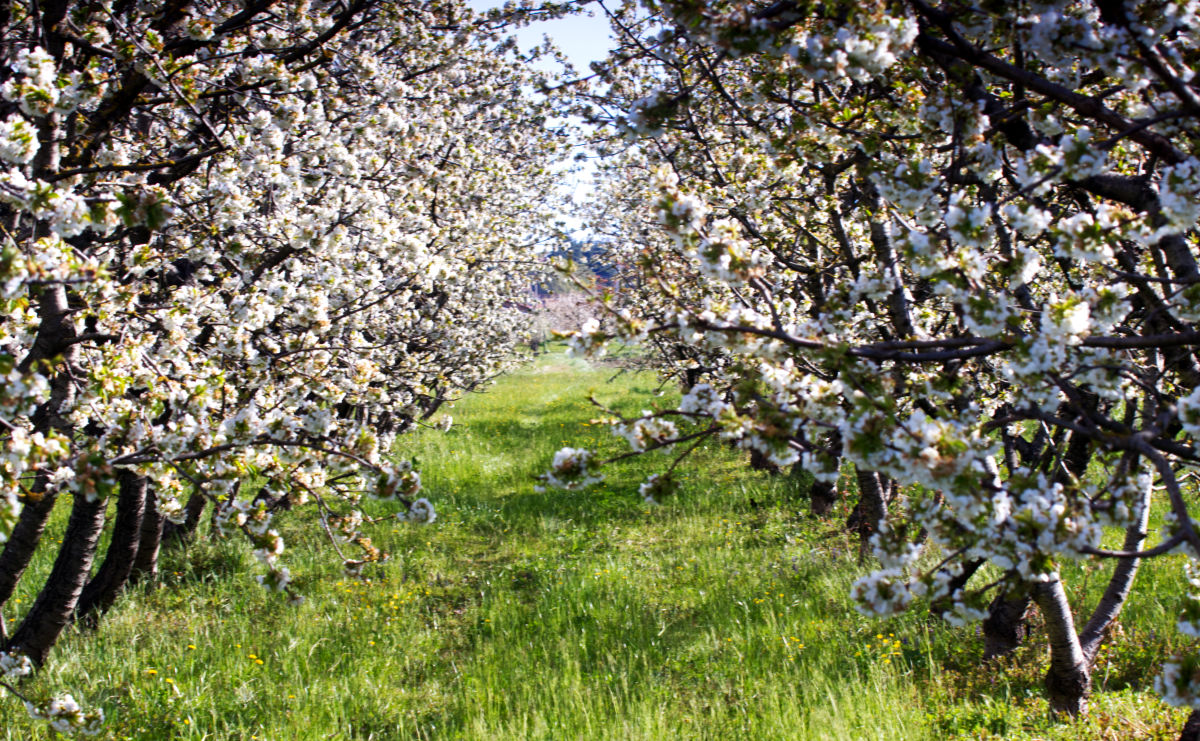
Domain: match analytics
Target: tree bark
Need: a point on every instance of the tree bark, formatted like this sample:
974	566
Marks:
1119	584
102	590
193	511
874	493
1076	458
898	300
822	496
1068	681
1005	629
760	462
145	564
53	340
23	540
55	604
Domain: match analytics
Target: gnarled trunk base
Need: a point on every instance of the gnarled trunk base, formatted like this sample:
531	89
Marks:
1068	680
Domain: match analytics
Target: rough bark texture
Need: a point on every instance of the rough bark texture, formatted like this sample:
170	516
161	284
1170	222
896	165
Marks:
102	590
1005	629
1075	459
874	493
55	604
145	564
1068	681
52	351
23	541
1119	585
885	260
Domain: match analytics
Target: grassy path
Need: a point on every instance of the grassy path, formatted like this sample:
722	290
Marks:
720	615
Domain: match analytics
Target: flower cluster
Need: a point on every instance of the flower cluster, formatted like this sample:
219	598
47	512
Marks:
573	469
647	432
420	511
656	487
1179	683
14	666
66	716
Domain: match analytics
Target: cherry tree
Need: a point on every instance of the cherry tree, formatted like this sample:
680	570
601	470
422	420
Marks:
244	240
950	246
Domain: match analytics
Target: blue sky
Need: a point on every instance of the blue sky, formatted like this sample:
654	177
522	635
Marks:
583	37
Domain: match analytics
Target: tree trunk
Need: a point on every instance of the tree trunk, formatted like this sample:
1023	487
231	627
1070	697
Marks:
55	604
101	591
1077	456
1005	629
24	539
56	329
760	462
1119	585
54	334
874	492
1068	681
193	511
898	300
145	564
822	496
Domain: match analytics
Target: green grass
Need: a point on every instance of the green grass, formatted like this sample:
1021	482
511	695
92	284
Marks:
720	614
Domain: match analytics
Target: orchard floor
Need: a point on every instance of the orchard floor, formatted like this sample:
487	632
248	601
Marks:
722	614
